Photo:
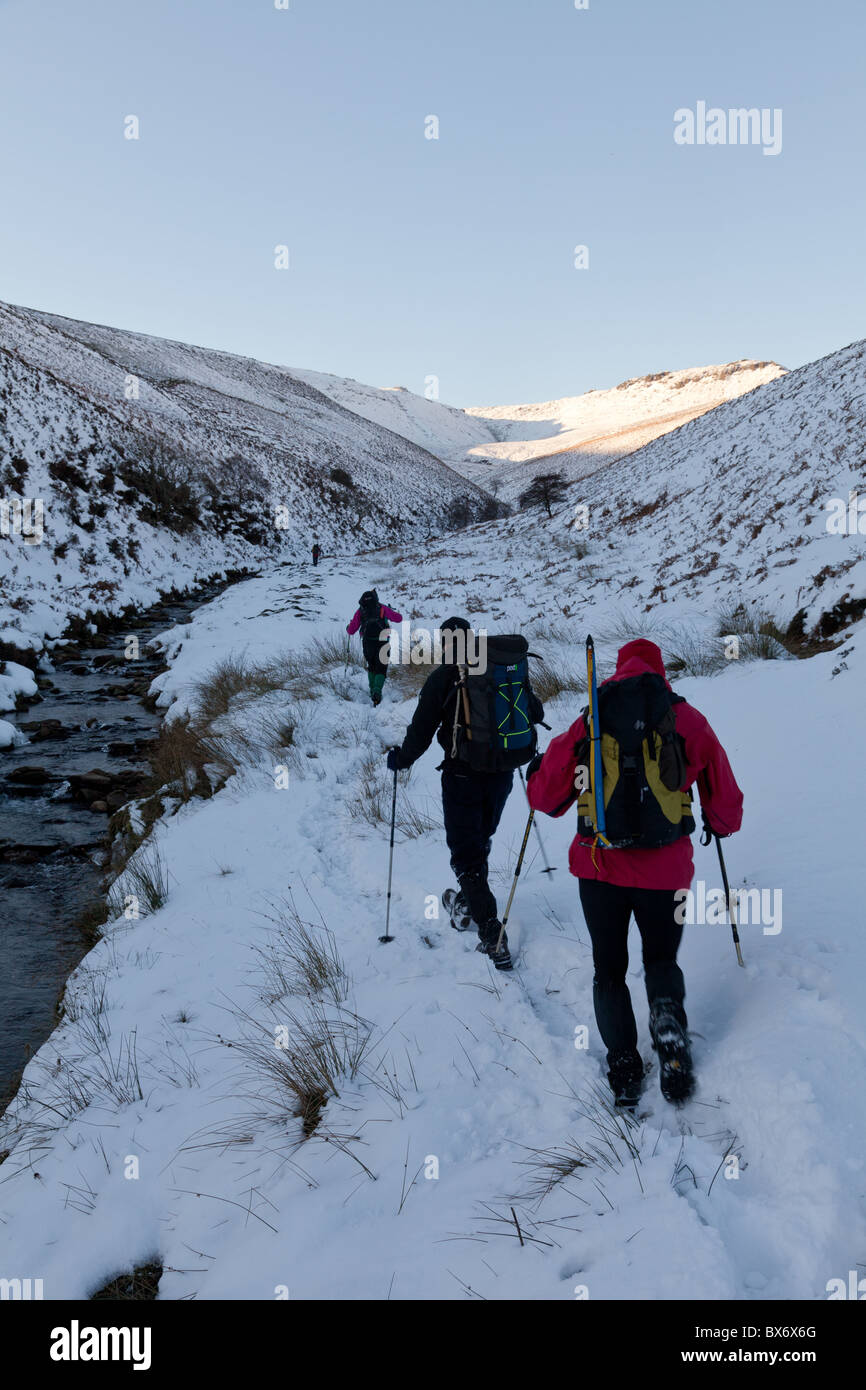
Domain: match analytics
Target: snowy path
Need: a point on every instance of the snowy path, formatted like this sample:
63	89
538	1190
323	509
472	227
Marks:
408	1185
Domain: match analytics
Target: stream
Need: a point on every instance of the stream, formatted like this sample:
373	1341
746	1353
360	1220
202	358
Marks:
87	755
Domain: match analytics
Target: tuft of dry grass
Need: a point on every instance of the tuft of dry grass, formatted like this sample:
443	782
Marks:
277	729
559	630
551	679
409	677
628	627
762	636
144	880
613	1140
331	651
180	755
316	1051
218	690
300	958
140	1284
235	681
371	803
691	654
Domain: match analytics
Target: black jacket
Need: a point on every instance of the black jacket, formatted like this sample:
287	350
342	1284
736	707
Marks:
434	715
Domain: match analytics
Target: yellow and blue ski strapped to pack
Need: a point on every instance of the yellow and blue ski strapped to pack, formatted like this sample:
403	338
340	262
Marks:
596	774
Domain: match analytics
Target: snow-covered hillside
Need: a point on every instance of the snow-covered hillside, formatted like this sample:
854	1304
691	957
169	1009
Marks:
749	505
506	445
450	433
743	505
153	458
579	434
150	457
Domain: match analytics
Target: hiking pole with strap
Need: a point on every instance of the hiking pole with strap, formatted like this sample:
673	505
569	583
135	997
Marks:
386	937
548	868
529	824
732	901
731	897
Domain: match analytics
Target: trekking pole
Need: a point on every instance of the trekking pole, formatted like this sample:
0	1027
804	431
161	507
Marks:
516	876
386	937
548	868
732	901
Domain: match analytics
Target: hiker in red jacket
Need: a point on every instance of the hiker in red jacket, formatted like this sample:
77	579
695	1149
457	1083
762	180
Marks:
642	878
373	617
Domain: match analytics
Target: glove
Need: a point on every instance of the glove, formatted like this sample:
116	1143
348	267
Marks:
534	765
395	760
709	832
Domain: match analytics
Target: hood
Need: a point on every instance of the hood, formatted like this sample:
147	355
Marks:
637	657
453	633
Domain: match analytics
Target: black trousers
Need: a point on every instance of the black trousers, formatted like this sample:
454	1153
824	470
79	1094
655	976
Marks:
608	908
472	805
373	658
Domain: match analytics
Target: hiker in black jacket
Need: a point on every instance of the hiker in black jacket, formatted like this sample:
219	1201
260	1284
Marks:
473	798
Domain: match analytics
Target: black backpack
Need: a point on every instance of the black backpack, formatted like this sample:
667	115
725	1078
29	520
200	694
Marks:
494	729
373	621
644	766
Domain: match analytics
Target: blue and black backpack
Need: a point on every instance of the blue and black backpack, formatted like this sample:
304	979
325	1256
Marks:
494	728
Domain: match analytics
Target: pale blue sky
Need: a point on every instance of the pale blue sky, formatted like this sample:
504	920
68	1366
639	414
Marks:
412	257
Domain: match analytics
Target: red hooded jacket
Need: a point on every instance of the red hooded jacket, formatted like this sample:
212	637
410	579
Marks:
670	866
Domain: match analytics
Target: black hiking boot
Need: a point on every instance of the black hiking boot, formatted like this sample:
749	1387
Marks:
488	938
671	1042
377	698
626	1077
458	910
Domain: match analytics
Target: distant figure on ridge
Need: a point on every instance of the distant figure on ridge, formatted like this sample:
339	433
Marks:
317	550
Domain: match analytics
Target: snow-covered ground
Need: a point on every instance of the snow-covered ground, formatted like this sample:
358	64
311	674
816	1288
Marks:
15	681
154	1121
467	1150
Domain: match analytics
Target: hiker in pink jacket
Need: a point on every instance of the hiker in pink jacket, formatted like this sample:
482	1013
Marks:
643	879
372	618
